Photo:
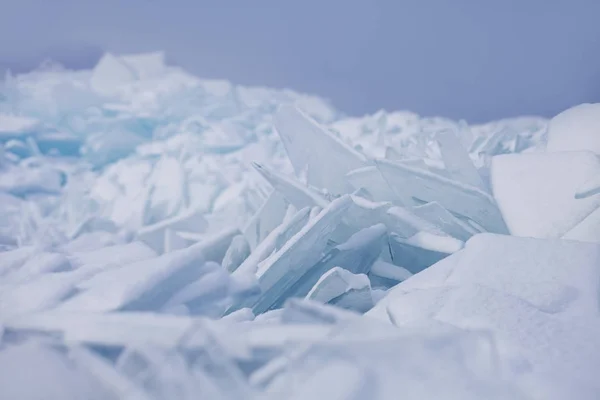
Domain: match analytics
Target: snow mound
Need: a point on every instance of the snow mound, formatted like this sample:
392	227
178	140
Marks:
166	237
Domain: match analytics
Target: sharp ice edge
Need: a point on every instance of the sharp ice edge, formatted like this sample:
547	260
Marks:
165	237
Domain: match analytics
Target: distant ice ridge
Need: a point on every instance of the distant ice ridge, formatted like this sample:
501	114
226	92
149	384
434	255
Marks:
165	237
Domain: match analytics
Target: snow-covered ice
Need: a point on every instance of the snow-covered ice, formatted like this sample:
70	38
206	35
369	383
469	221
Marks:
167	237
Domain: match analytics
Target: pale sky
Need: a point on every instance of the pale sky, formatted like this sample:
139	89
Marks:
473	59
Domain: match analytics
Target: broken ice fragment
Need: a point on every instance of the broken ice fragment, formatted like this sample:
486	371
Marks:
215	245
279	236
202	296
238	251
370	179
189	221
457	161
390	271
445	220
343	289
301	252
295	192
456	197
355	255
416	254
267	218
110	74
310	146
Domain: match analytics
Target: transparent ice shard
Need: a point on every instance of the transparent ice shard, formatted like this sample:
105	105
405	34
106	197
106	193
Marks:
536	192
456	159
214	245
445	220
356	255
456	197
404	223
370	179
309	146
295	192
174	241
390	271
168	194
344	289
206	295
277	238
146	65
421	250
189	221
238	251
301	252
267	218
110	74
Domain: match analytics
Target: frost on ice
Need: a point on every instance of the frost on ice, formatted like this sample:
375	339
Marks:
165	237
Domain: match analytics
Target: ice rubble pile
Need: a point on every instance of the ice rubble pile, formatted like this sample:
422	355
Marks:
171	238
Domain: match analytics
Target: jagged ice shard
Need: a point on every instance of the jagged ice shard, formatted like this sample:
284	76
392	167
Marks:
167	237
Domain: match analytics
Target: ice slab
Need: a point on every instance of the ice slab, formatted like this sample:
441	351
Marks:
274	241
117	255
575	129
436	214
188	221
311	148
143	285
457	197
356	255
110	74
343	289
238	251
146	65
537	192
298	254
295	192
267	218
456	159
370	179
390	271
